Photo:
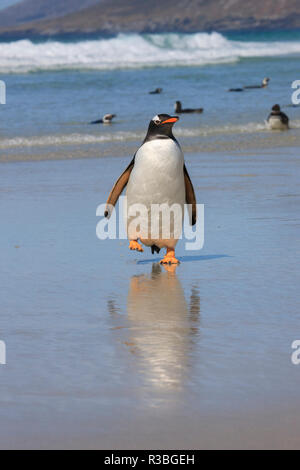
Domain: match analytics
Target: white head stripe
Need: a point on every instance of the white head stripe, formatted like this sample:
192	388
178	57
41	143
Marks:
156	118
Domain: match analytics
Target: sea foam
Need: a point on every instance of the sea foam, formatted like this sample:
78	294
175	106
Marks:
135	51
81	139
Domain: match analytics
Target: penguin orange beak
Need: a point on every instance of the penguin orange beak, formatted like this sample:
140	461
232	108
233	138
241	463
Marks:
172	119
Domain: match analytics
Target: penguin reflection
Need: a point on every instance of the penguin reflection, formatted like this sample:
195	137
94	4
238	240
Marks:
162	326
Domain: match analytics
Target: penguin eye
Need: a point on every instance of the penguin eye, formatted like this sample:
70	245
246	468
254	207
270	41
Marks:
157	122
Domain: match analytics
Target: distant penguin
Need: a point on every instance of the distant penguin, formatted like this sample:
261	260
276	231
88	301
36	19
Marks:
179	110
263	84
107	118
156	91
277	120
157	175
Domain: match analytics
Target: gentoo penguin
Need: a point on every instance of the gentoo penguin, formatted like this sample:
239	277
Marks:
156	175
179	110
107	118
156	91
263	84
277	120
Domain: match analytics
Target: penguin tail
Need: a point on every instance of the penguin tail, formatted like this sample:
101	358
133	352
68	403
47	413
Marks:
154	249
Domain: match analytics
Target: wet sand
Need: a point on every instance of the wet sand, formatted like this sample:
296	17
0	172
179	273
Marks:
107	349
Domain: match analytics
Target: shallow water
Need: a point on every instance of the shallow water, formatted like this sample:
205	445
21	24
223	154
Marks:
107	349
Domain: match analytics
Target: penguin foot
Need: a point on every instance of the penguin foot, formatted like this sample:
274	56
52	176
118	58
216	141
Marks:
134	245
169	257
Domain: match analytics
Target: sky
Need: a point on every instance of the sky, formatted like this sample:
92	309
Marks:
7	3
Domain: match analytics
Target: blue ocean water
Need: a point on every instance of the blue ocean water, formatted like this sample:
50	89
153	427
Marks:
55	88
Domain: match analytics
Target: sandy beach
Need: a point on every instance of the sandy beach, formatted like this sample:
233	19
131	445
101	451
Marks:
107	349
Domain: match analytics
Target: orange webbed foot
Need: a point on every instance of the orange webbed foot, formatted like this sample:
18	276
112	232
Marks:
169	257
169	260
134	245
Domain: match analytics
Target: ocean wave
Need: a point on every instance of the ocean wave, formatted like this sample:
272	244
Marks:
135	51
67	139
123	136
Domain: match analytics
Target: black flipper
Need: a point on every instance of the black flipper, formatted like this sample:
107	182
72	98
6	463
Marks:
190	197
99	121
118	188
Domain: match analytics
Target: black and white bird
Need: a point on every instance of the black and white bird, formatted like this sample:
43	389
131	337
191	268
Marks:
179	110
277	120
107	118
263	84
156	175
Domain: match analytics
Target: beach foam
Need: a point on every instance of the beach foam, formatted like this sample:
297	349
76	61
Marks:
79	139
135	51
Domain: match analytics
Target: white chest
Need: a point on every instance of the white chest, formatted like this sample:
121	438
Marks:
276	123
157	175
157	178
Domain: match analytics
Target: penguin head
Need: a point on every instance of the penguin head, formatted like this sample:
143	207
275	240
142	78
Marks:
265	81
177	106
161	125
107	118
276	108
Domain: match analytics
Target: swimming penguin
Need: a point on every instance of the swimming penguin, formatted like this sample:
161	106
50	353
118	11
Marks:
156	91
277	120
157	175
263	84
107	118
179	110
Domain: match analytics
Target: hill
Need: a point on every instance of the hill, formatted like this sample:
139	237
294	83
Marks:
111	17
35	10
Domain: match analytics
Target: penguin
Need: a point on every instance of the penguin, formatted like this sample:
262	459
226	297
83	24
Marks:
107	118
156	91
263	84
156	175
179	110
277	120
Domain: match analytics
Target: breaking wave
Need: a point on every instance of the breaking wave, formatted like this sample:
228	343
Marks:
123	136
135	51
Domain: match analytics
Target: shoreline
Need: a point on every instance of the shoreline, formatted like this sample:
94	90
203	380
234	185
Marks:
128	149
